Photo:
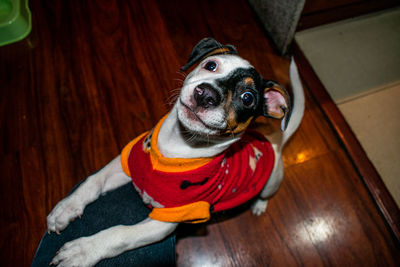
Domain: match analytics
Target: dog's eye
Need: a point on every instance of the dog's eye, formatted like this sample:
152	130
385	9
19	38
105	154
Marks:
211	66
248	99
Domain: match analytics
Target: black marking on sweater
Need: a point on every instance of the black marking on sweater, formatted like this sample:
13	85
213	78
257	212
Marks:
185	183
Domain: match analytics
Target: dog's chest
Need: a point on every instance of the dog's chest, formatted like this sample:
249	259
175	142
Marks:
228	180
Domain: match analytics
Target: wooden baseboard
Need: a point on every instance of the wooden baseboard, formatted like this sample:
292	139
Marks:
323	15
365	168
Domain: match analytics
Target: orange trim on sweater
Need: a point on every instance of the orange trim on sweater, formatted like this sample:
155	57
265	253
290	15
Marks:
158	161
164	164
196	212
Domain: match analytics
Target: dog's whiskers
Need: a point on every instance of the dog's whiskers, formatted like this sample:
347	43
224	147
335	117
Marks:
180	80
183	74
230	130
172	100
173	96
192	137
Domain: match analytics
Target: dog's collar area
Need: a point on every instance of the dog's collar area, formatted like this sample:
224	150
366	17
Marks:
202	140
165	164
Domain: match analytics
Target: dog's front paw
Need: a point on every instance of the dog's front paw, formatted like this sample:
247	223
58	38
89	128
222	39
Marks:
79	252
259	207
63	213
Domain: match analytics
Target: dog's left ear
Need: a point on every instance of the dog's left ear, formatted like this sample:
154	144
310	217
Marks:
276	103
205	48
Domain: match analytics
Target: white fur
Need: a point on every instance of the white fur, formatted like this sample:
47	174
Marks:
172	144
87	251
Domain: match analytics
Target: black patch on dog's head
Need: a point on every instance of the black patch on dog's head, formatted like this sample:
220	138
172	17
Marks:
239	82
208	47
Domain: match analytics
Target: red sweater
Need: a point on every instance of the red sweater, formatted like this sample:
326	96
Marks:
186	190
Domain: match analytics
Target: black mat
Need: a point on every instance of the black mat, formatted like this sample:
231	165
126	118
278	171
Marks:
121	206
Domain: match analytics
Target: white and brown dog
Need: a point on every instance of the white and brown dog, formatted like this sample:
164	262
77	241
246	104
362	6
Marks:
200	158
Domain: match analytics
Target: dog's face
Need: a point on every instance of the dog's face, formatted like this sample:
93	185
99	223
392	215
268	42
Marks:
222	95
219	96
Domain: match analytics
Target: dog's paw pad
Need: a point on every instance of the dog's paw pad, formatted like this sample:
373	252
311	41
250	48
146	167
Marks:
259	207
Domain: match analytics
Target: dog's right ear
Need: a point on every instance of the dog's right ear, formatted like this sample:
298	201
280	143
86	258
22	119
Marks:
277	103
205	48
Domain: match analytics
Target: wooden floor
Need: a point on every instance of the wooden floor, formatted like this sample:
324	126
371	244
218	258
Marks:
94	74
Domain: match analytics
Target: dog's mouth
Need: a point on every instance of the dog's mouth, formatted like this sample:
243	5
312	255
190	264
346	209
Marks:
192	117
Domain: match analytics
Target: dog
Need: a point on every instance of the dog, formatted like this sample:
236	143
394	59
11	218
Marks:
200	158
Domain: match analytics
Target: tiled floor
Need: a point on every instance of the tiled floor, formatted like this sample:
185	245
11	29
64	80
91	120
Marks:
358	61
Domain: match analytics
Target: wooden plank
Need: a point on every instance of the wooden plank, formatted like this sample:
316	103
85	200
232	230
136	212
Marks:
321	12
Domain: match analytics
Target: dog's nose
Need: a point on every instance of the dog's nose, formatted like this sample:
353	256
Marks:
206	96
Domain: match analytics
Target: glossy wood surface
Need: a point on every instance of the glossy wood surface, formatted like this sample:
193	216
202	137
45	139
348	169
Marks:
94	74
364	166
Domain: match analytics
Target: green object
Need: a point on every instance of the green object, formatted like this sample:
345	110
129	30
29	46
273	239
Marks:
15	21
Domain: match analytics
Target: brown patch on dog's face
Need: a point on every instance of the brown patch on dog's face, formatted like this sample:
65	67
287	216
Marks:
249	81
234	127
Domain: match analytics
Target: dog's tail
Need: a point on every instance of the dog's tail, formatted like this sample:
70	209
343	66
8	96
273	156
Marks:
298	103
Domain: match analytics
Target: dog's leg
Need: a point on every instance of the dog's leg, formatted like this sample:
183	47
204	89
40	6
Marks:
110	177
275	180
87	251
